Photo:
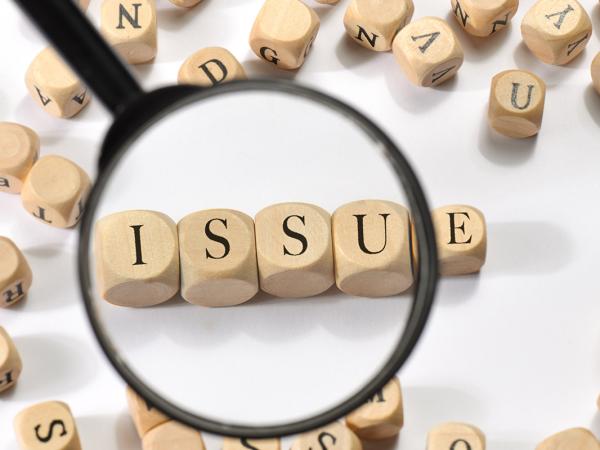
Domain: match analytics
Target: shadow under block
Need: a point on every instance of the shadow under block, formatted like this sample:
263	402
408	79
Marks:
382	417
374	24
130	28
294	250
144	416
47	426
54	86
461	239
556	31
137	258
516	105
428	51
218	258
173	436
596	73
455	436
484	18
209	67
372	248
19	150
10	362
15	273
578	438
249	444
283	33
55	191
334	436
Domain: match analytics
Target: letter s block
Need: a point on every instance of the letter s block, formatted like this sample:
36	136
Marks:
173	436
19	149
10	361
596	73
335	436
484	18
144	416
15	273
209	67
455	436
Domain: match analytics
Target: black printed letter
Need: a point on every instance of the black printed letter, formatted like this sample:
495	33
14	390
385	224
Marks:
295	235
54	423
138	245
133	21
453	228
360	219
215	237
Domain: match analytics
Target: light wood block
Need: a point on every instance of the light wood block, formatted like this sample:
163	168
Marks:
47	426
516	105
455	436
294	250
19	149
209	67
328	2
484	18
218	258
54	86
15	273
578	438
84	4
283	33
137	258
382	416
428	51
10	361
185	3
173	436
144	416
55	191
372	248
251	444
374	23
461	239
335	436
596	73
129	26
556	31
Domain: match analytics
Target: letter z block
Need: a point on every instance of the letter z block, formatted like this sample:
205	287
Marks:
15	273
335	436
173	436
455	436
144	416
209	67
19	149
10	362
484	18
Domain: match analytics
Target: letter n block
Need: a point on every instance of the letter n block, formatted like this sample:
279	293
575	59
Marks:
209	67
10	362
15	273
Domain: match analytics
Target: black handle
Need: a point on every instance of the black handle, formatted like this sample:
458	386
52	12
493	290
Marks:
75	38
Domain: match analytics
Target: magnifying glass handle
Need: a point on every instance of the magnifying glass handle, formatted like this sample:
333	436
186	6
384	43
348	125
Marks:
67	28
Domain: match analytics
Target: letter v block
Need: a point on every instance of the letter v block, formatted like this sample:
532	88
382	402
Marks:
209	67
10	362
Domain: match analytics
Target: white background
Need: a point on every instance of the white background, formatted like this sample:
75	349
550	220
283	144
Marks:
514	350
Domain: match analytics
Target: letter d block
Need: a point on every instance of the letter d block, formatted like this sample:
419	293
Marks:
15	273
455	436
209	67
10	362
144	416
19	149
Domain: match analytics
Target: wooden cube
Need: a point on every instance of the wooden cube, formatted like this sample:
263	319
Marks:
484	18
209	67
173	436
382	416
10	361
516	105
15	273
374	24
137	258
144	416
55	191
372	248
129	26
556	31
19	149
294	250
283	33
596	73
461	239
218	258
578	438
47	426
84	4
335	436
185	3
251	444
428	51
455	436
54	86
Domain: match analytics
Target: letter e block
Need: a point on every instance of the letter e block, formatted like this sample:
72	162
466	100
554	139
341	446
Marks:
455	436
579	438
596	73
209	67
19	149
15	273
10	362
144	416
250	444
484	18
335	436
173	436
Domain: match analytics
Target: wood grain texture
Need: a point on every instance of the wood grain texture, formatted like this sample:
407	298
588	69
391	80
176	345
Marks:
19	150
10	362
455	436
484	18
173	436
15	273
210	66
144	416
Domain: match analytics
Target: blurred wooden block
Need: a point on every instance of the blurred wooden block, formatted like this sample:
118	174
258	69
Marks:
294	250
484	18
372	248
556	31
209	67
173	436
283	33
577	438
251	444
15	273
19	149
218	258
137	258
144	416
596	72
461	239
54	86
455	436
185	3
516	105
328	2
10	361
47	426
374	24
332	437
382	417
55	191
129	26
84	4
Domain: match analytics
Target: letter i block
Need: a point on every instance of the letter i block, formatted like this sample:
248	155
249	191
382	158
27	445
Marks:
283	32
335	436
145	417
137	258
484	18
19	149
173	436
251	444
209	67
10	361
455	436
596	73
47	426
15	273
579	438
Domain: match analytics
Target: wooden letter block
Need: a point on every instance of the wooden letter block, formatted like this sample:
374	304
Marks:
145	417
461	239
173	436
55	191
516	104
185	3
372	248
10	361
54	86
250	444
15	273
484	18
578	438
382	417
596	72
332	437
47	426
294	250
218	258
428	51
556	31
209	67
455	436
137	258
374	24
283	32
129	26
19	149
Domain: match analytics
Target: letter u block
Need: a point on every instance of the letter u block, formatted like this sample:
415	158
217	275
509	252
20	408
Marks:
10	362
19	149
210	66
15	273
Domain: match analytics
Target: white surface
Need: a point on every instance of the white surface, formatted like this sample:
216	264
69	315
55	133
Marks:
514	350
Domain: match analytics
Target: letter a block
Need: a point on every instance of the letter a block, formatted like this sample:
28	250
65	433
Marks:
251	444
335	436
455	436
209	67
596	73
10	362
173	436
19	149
579	438
47	426
484	18
144	416
15	273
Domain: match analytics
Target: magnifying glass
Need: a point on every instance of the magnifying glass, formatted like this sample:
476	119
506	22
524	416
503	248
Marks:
338	263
